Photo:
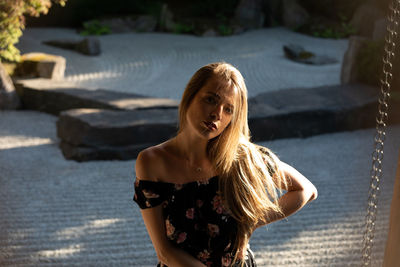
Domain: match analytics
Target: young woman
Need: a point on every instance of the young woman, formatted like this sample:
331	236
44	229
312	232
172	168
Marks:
203	192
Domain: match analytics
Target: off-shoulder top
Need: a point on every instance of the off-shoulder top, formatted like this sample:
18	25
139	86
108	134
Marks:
195	217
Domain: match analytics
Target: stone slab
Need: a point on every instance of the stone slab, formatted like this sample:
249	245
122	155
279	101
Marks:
82	153
55	97
90	134
305	112
102	128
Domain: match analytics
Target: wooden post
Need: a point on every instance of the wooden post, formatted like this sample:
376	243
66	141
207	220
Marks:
392	251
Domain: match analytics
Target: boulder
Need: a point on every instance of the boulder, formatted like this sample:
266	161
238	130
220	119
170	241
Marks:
364	19
349	72
41	65
210	33
8	96
94	134
88	46
53	98
302	112
167	19
293	15
299	54
119	24
249	14
145	23
105	134
272	12
379	32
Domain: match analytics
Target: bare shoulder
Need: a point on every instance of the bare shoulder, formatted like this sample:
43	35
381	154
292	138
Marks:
147	163
151	162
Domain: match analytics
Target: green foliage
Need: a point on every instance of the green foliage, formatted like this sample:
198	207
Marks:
86	10
12	22
94	27
225	29
183	28
369	62
325	28
370	66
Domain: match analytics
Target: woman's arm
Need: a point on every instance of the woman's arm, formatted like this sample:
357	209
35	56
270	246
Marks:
153	219
300	191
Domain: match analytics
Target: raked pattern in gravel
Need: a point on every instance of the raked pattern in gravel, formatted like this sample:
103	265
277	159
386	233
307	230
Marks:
55	212
160	64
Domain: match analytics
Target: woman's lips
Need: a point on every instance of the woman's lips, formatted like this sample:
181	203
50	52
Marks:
210	125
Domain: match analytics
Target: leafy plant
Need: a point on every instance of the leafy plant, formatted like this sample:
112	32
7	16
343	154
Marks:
225	29
94	27
183	28
328	28
369	62
12	22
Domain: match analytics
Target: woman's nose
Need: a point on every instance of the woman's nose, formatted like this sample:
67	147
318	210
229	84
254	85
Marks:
217	112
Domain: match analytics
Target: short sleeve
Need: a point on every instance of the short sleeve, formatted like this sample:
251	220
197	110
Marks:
149	194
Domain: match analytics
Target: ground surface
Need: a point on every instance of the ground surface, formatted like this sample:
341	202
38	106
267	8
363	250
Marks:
55	212
160	65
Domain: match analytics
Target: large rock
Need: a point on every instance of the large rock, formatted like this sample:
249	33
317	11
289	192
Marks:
299	54
118	25
141	23
105	134
249	14
380	29
8	96
41	65
145	23
273	12
88	46
92	134
349	72
364	19
167	22
305	112
55	97
294	15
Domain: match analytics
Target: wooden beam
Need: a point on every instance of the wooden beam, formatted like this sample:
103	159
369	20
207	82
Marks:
392	250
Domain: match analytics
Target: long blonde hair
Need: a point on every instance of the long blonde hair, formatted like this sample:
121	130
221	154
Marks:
250	179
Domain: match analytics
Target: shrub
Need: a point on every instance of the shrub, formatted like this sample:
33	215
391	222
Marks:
370	65
12	22
94	27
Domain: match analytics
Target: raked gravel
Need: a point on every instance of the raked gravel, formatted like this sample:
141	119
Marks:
55	212
160	64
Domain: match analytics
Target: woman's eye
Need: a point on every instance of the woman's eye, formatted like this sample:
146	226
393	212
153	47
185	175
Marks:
229	110
210	100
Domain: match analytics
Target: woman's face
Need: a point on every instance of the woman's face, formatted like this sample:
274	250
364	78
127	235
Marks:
211	110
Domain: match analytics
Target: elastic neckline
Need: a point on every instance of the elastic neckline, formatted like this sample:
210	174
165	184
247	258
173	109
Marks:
193	182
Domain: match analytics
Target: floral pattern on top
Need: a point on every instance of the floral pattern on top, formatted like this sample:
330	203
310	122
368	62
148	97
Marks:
195	217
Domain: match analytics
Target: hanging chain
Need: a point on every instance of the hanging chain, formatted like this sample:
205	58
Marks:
380	135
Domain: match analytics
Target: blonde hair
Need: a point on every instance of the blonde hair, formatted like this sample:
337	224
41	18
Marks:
250	179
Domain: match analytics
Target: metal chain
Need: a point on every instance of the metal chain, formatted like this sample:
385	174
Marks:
380	135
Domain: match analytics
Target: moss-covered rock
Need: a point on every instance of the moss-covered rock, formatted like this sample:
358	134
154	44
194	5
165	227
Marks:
370	64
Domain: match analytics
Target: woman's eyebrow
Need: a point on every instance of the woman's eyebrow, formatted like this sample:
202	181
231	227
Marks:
214	94
219	97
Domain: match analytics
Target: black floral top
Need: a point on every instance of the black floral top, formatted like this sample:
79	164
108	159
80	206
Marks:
195	217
